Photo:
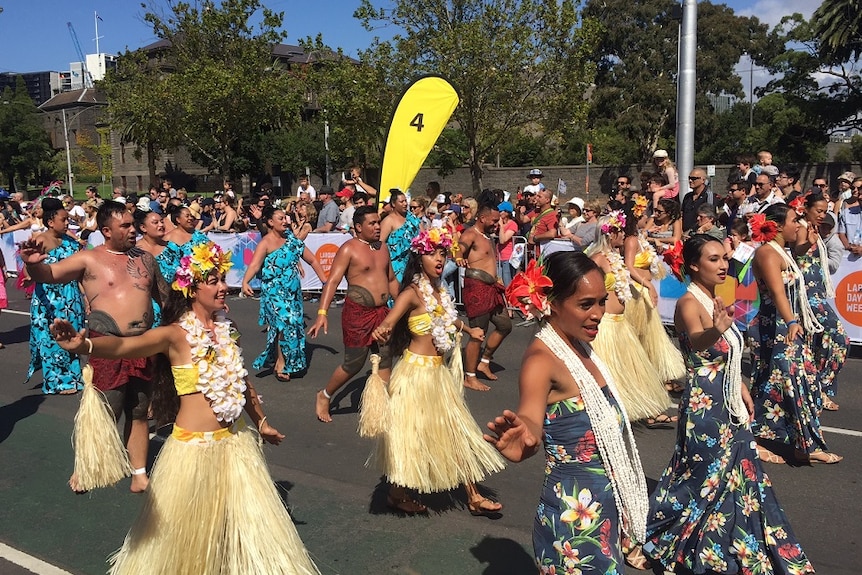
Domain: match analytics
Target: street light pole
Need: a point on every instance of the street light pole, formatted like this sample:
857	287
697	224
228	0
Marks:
68	155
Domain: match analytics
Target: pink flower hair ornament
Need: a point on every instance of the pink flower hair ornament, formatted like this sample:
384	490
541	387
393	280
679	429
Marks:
430	240
616	222
196	267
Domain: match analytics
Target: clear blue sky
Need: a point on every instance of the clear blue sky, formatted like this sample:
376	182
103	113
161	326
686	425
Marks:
35	37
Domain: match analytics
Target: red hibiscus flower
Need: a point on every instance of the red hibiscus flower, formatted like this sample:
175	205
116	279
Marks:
605	537
789	551
798	205
529	290
748	470
762	230
673	258
586	447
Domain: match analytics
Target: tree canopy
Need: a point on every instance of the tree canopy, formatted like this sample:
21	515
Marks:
24	144
516	64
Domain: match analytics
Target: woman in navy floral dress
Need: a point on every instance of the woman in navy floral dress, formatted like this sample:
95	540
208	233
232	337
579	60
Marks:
277	259
714	510
785	388
61	371
593	499
831	345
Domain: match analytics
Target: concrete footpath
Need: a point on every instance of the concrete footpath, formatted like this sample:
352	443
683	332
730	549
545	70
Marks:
336	502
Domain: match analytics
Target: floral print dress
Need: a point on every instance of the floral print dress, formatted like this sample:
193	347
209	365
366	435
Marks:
61	370
714	510
785	389
398	243
577	521
281	307
830	347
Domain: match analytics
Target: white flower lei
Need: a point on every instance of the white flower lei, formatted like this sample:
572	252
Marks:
221	373
442	320
655	266
622	278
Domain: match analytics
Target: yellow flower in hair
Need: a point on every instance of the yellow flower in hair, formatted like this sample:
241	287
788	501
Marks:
195	267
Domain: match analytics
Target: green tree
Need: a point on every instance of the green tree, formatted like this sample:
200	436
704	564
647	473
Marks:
225	86
838	26
637	65
515	63
24	144
141	106
824	82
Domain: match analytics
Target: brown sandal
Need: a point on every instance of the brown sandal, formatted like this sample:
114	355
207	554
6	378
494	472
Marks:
484	507
405	504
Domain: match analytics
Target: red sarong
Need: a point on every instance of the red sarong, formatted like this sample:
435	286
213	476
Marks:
358	321
481	298
112	373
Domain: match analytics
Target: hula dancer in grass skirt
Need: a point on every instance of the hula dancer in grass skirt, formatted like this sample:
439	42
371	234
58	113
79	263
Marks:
640	388
211	506
432	442
644	266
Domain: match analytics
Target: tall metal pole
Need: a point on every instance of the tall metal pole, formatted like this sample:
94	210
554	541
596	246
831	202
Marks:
68	155
750	92
685	94
326	147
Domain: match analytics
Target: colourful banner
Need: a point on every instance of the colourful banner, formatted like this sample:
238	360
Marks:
419	118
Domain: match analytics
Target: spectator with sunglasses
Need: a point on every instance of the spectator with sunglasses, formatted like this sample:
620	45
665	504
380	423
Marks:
700	194
850	215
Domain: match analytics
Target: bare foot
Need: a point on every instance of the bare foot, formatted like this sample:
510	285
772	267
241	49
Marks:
73	484
471	382
485	370
139	483
322	407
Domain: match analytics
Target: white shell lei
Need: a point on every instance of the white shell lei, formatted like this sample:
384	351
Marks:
622	464
622	278
799	295
442	314
732	384
221	373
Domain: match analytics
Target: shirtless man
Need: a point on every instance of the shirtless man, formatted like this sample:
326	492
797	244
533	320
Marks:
119	282
483	295
370	283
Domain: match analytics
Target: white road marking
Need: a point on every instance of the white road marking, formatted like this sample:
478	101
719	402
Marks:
28	562
16	312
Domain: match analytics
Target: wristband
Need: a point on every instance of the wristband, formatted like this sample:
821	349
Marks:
260	423
89	345
322	312
791	322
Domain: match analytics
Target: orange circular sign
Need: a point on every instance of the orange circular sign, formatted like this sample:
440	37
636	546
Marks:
848	298
325	254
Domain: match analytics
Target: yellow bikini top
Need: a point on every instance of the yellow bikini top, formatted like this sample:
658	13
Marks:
419	324
643	260
610	281
185	379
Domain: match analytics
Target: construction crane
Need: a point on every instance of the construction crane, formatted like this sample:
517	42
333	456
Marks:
88	79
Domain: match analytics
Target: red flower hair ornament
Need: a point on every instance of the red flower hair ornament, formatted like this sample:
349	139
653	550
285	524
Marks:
529	291
762	230
673	258
798	205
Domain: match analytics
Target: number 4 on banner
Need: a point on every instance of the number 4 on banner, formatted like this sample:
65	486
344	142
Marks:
416	122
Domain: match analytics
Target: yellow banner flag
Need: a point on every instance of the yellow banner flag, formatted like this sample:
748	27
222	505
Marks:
421	114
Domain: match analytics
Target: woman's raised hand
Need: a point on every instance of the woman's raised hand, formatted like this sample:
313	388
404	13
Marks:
511	436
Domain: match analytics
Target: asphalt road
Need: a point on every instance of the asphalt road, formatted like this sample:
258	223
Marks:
336	501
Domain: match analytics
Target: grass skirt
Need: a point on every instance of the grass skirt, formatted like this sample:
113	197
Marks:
665	358
433	443
640	388
212	509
